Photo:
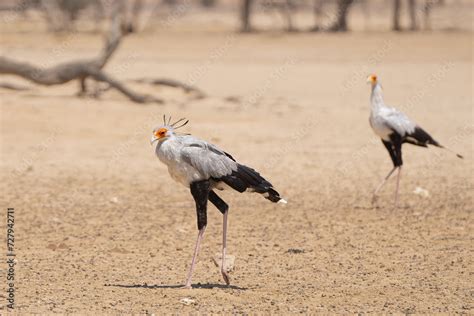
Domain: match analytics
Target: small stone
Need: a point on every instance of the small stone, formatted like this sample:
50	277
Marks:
187	301
114	200
62	246
421	192
52	246
295	251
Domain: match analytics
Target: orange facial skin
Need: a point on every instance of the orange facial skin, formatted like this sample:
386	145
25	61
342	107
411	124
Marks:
160	133
372	79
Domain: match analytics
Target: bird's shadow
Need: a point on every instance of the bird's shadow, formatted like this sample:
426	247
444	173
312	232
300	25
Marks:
177	286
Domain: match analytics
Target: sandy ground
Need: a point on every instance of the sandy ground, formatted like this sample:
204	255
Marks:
101	227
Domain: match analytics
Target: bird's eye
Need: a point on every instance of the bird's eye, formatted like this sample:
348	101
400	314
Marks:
161	132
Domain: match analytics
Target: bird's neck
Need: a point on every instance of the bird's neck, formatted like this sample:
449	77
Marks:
376	98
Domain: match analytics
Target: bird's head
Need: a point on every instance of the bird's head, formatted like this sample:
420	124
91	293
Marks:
166	130
161	133
372	79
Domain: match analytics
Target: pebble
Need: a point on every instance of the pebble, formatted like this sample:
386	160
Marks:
187	301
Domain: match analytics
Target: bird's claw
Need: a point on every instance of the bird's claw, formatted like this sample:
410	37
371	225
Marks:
186	287
374	199
226	277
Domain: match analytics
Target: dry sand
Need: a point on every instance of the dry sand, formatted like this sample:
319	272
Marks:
101	227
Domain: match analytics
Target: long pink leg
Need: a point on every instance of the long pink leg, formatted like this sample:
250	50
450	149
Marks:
398	184
193	262
224	245
374	197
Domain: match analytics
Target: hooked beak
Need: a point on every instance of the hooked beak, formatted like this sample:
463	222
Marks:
372	79
153	139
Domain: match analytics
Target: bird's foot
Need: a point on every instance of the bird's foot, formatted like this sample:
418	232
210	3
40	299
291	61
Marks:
186	287
374	199
225	276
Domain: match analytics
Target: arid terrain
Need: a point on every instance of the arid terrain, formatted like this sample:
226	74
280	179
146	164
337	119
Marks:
100	227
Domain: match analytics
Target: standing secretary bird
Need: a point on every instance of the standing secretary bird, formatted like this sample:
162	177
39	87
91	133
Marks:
394	128
203	168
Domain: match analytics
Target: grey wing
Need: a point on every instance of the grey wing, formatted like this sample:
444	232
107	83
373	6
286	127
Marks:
207	159
398	121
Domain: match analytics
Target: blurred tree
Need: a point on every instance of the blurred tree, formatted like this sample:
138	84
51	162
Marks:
412	13
131	15
283	7
19	6
397	11
71	8
340	25
245	12
208	3
62	14
428	5
396	15
318	13
286	7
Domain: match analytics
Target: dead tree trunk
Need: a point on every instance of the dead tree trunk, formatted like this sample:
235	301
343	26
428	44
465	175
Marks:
245	13
396	15
287	11
131	11
426	15
340	24
208	3
76	70
318	13
174	84
412	13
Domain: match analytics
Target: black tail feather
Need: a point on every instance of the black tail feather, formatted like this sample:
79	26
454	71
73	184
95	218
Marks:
421	138
457	155
245	178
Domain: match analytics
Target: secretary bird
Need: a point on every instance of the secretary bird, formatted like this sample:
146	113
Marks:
394	128
203	168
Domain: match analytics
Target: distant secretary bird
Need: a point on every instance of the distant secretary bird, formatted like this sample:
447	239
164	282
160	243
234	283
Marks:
203	168
394	128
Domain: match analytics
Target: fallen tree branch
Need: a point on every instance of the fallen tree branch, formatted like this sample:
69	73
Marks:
135	97
11	86
172	83
76	70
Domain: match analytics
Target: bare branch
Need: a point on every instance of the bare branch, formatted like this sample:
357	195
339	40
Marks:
172	83
76	70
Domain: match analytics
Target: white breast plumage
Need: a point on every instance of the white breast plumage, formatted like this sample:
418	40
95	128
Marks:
379	127
168	153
